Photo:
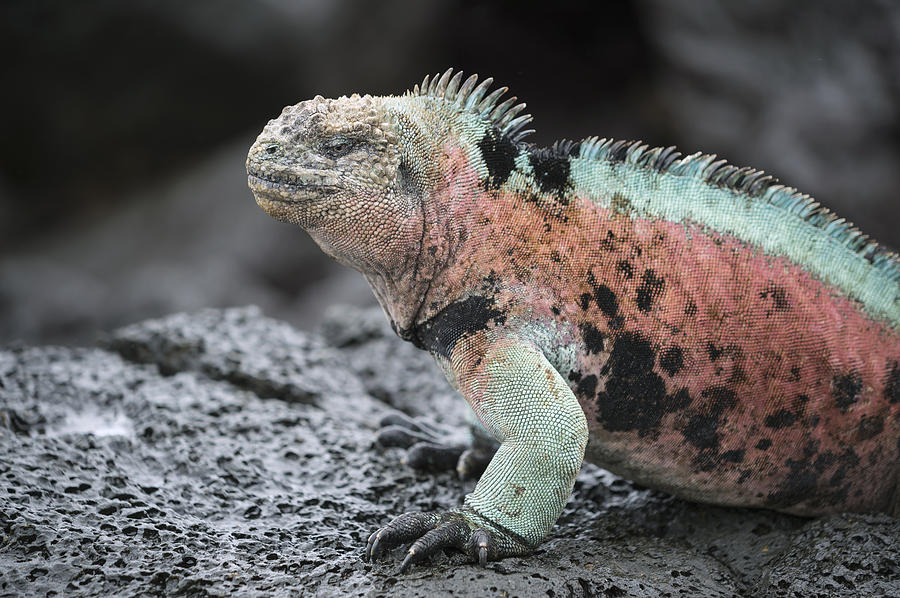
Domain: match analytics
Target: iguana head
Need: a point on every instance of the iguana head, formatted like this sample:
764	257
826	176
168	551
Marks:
352	171
375	180
331	167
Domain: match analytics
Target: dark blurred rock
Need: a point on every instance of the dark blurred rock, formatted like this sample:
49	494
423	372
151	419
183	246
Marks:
168	469
102	96
807	90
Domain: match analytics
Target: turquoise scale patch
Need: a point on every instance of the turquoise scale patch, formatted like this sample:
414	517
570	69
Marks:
780	221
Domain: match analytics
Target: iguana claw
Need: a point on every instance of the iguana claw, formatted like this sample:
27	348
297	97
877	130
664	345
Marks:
481	541
404	528
433	532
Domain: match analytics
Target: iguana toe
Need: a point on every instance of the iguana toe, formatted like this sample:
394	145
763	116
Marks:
461	528
428	456
405	528
428	448
481	545
473	461
398	430
450	533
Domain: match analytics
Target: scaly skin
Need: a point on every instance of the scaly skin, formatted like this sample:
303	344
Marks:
708	331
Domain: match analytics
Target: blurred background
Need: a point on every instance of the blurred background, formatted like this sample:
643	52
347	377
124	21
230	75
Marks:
124	125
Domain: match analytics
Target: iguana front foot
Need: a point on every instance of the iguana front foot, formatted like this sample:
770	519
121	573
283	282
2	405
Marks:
429	449
461	528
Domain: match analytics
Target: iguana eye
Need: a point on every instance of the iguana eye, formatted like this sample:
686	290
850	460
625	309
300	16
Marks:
337	147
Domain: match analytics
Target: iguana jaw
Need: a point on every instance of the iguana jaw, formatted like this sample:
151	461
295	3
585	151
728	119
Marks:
288	194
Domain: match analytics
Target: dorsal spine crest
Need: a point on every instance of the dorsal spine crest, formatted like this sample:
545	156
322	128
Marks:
470	96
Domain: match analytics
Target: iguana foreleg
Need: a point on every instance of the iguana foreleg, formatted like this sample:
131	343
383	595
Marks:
524	402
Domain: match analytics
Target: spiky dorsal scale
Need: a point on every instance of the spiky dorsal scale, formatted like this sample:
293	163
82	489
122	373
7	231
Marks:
467	97
703	189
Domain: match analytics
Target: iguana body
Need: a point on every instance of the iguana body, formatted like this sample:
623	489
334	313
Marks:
695	327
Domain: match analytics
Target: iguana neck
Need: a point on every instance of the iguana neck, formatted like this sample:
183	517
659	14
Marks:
413	290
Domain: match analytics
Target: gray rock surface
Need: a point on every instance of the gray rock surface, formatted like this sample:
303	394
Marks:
225	453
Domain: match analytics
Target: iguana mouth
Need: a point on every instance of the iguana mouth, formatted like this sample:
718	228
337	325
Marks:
257	182
286	187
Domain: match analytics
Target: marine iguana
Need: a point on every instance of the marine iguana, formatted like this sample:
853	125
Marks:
687	324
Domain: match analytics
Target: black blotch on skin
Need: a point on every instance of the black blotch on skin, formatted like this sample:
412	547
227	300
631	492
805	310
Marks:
713	351
678	400
733	456
802	483
556	311
550	208
651	288
672	360
593	338
551	172
604	296
499	155
690	309
869	427
584	301
491	282
846	461
846	389
708	459
777	295
795	373
606	300
702	430
633	399
780	419
632	355
441	333
626	268
892	388
574	375
799	484
823	461
608	243
875	455
587	386
764	444
840	495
